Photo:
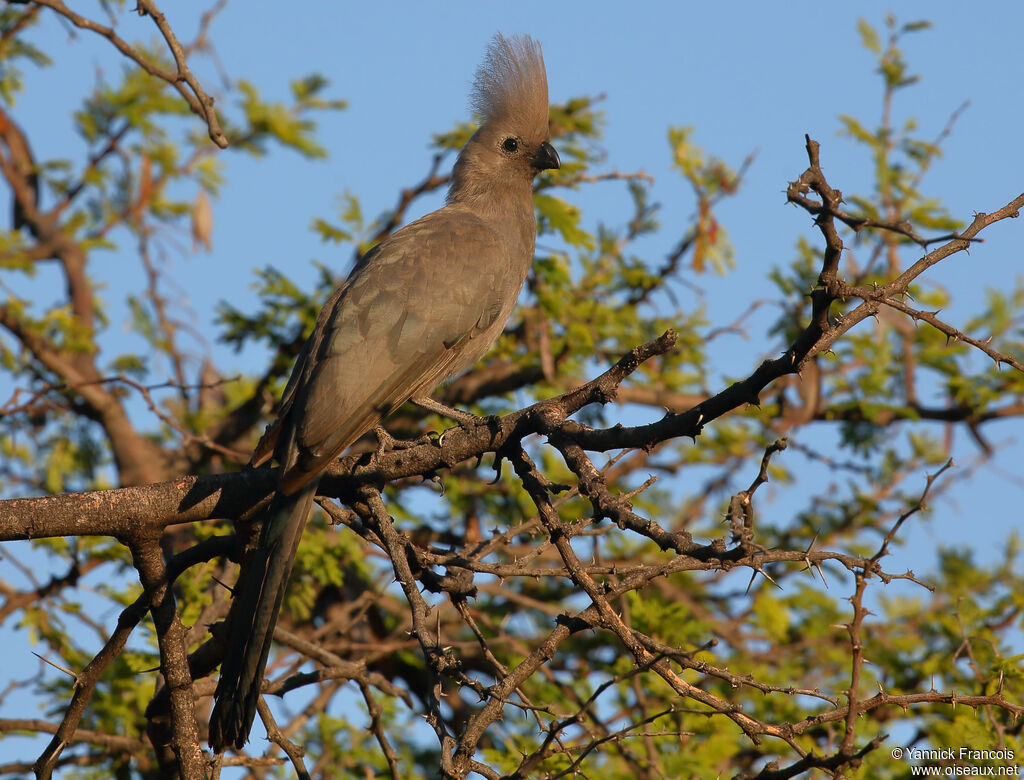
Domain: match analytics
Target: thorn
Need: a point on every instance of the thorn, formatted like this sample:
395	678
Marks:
753	574
224	585
811	545
821	574
64	669
768	577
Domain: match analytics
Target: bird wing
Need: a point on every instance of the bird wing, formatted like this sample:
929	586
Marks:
403	322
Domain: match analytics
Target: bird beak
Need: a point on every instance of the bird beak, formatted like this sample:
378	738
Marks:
545	157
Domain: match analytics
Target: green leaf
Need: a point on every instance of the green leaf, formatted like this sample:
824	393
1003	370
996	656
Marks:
869	36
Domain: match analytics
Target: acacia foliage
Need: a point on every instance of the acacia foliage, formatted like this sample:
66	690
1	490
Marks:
554	608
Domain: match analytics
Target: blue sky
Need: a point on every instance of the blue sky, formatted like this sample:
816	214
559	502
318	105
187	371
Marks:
748	77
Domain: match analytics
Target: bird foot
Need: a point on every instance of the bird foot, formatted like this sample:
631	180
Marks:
386	442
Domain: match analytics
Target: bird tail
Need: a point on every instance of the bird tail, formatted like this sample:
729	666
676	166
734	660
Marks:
250	624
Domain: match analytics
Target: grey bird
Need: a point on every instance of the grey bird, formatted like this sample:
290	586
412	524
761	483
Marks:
419	308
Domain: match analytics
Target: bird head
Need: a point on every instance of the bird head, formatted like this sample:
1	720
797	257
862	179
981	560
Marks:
513	142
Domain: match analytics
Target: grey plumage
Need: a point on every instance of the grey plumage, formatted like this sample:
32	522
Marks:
419	308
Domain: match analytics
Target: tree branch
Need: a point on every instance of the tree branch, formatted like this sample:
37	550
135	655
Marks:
181	79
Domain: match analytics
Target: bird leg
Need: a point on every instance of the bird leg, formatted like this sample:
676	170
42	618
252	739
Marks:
386	442
462	418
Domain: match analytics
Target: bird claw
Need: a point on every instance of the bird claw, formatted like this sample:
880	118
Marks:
388	443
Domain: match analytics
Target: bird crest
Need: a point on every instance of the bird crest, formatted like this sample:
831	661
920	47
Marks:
511	83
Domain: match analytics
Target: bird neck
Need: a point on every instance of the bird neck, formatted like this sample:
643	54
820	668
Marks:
485	194
505	201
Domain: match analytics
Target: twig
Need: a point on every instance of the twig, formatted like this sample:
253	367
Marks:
182	79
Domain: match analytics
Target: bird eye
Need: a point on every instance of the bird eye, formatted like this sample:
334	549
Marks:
510	145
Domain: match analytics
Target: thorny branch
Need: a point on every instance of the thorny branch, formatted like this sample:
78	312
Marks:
182	78
463	650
